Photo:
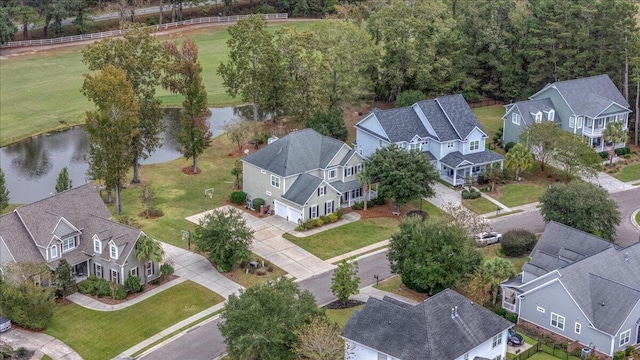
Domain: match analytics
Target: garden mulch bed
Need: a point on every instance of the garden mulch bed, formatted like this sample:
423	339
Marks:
336	305
111	301
385	210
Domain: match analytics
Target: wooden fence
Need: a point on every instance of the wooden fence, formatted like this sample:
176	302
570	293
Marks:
106	34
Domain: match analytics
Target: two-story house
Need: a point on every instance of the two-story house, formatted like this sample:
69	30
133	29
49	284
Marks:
580	287
581	106
73	225
304	175
444	129
446	326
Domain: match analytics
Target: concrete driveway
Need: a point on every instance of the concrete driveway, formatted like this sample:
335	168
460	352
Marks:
41	343
269	244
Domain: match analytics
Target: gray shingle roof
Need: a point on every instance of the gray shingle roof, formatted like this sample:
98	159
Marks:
400	124
590	95
298	152
459	113
302	189
533	106
346	186
456	158
438	120
561	245
426	330
83	208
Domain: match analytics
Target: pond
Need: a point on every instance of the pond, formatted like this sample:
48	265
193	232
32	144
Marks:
31	167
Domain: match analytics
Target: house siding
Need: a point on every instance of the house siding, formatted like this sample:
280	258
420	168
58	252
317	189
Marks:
511	132
632	323
367	143
355	160
256	184
356	351
563	112
553	298
486	349
474	135
331	194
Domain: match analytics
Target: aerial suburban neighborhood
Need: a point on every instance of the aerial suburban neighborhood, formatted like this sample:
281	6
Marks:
374	179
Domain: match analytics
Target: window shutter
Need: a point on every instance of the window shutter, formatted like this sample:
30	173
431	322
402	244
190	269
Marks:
318	192
333	206
325	208
309	212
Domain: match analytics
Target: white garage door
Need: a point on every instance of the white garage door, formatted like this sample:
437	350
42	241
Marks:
287	212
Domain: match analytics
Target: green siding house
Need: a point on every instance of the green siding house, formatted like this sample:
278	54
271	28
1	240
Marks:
581	106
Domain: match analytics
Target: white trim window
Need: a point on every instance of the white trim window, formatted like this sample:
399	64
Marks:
329	207
348	171
68	244
474	145
97	246
515	118
114	276
551	115
577	328
322	190
625	337
557	321
150	269
275	181
333	173
133	272
449	144
497	340
113	251
53	252
99	270
539	117
358	168
313	211
572	122
415	146
580	121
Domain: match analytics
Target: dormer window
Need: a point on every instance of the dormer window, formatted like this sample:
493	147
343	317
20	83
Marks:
68	244
414	146
551	115
113	251
97	246
53	252
538	116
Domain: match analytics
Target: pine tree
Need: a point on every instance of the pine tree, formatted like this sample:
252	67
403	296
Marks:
64	182
4	193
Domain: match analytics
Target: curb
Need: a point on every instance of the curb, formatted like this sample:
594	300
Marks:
633	219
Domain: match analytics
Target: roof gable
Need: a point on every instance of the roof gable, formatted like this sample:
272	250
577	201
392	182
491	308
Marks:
372	124
302	189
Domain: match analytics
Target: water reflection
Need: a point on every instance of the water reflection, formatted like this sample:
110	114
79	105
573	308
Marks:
31	167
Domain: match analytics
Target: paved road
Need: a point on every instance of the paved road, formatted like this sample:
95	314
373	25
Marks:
205	341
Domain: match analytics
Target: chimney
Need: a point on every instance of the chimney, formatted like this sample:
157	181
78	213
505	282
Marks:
456	311
453	315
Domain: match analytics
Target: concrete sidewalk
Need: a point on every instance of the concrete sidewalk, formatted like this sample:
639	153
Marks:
41	343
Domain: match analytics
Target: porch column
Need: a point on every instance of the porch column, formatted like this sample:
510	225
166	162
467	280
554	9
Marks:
455	173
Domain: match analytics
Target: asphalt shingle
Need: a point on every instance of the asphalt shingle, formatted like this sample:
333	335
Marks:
302	189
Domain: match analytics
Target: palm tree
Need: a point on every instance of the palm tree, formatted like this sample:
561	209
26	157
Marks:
364	178
148	249
519	159
615	133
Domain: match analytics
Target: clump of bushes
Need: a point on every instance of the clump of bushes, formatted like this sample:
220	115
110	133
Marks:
326	219
470	194
166	270
257	203
118	292
604	155
622	151
94	285
358	205
132	284
516	243
238	197
509	145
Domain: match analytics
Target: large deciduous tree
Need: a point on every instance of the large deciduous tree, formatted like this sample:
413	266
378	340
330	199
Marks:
615	133
431	256
4	193
262	321
401	175
329	123
574	157
7	28
185	78
141	57
519	159
345	280
148	250
320	340
541	140
111	127
583	206
224	237
253	60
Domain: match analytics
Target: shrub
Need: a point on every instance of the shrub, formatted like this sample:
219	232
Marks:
120	292
132	284
318	222
358	206
474	195
517	242
6	351
511	317
166	270
378	201
87	286
630	350
604	155
500	311
622	151
102	288
509	145
619	355
264	9
340	213
257	203
331	218
155	212
482	180
238	197
627	156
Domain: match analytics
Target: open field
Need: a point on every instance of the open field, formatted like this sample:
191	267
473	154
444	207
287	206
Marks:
84	330
41	91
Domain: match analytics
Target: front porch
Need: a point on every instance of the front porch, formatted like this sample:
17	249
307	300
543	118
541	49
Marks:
80	271
351	197
599	145
455	167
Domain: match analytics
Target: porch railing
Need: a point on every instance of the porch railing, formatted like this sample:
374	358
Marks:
449	179
509	306
350	202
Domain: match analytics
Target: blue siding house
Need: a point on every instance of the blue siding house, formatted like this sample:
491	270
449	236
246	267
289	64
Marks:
580	287
444	129
581	106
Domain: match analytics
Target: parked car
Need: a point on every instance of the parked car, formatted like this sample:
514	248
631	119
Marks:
488	238
5	324
514	339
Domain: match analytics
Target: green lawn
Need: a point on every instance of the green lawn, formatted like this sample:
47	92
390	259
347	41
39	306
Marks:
638	218
490	118
346	238
41	92
519	194
629	173
105	334
433	211
480	205
341	316
394	285
492	251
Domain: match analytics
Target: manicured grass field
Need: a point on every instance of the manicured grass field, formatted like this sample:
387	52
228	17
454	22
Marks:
629	173
492	251
341	316
394	285
433	211
490	118
240	275
346	238
519	194
105	334
41	92
480	205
